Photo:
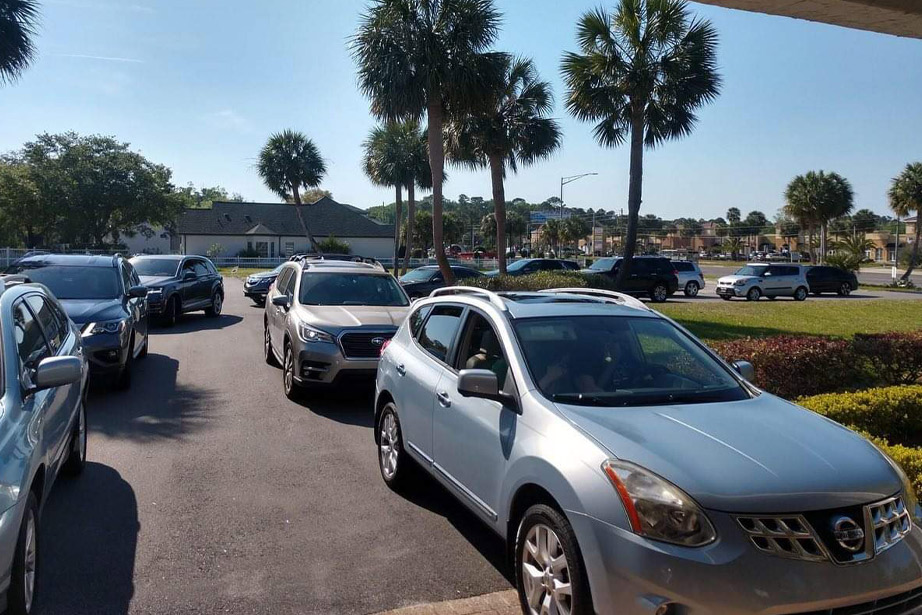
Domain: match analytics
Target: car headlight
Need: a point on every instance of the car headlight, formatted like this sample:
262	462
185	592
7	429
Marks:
108	326
656	508
740	283
310	334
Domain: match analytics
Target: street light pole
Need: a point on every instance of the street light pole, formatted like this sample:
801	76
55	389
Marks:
569	180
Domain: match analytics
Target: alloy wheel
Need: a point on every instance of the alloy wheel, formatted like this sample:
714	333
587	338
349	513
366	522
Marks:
30	561
289	370
217	303
389	447
691	289
800	294
546	573
659	293
753	294
846	289
267	342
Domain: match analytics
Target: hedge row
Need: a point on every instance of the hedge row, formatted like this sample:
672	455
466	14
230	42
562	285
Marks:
541	281
908	458
798	366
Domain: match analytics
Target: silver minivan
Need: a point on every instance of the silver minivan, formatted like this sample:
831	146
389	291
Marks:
633	471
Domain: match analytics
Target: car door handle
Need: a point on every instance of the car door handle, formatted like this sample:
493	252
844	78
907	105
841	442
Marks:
444	399
402	369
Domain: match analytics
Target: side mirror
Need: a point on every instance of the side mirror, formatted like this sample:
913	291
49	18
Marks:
281	301
189	275
482	383
55	372
137	292
745	369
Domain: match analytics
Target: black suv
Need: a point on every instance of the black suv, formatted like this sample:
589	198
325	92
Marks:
180	284
423	280
654	276
526	266
104	297
824	279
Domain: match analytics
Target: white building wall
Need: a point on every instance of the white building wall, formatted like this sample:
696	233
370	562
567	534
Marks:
158	243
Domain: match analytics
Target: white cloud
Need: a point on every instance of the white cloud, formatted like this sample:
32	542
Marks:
82	56
228	119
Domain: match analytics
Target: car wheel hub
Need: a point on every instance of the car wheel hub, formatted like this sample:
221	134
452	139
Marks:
546	573
389	447
218	303
289	370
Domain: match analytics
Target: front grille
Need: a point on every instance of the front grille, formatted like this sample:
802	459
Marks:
890	522
907	603
364	345
789	536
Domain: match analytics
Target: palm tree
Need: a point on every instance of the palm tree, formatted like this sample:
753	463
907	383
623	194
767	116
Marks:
551	234
905	198
18	22
421	177
428	57
513	130
644	70
817	197
856	245
733	246
288	162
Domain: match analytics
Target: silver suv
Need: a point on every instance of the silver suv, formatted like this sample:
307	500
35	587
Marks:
632	471
43	383
756	280
326	321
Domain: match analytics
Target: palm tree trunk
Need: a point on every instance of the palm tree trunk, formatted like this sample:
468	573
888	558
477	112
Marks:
822	243
635	195
915	248
398	216
296	197
499	208
437	163
411	218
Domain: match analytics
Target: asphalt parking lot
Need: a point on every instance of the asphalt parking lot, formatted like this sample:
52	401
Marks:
207	491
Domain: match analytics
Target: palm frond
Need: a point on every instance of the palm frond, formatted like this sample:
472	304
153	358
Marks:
18	26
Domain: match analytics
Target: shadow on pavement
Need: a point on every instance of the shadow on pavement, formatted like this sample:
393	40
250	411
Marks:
352	406
89	537
155	407
197	322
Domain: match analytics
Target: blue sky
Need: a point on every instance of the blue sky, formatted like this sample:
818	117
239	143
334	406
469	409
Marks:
200	84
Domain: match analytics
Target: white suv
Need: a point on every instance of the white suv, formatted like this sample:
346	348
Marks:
758	279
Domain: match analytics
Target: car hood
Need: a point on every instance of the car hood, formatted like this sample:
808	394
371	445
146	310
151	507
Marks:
262	275
153	281
335	317
733	278
762	455
492	273
82	311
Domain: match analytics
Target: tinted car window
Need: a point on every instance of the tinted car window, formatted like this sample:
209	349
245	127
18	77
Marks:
284	283
481	349
570	266
50	323
439	331
642	266
680	266
603	264
73	282
200	269
350	289
417	319
126	278
160	267
30	343
187	267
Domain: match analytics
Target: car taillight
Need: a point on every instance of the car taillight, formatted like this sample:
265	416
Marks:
675	272
384	347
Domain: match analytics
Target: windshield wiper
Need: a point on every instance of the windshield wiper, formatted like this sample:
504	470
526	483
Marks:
582	399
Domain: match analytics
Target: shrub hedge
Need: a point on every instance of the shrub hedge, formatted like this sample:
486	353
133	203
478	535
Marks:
908	458
896	358
893	413
541	281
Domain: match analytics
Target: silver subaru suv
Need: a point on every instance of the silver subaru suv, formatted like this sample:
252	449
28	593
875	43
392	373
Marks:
327	321
633	471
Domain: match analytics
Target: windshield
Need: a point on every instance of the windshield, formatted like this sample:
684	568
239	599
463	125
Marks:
614	361
750	270
74	282
517	265
159	267
351	289
603	264
417	275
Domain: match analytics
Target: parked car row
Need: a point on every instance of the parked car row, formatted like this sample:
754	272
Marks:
628	467
757	280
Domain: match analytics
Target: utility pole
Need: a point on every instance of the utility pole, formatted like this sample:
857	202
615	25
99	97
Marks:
563	182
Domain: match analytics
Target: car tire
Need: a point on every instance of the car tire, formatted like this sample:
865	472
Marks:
172	313
800	294
289	386
123	379
539	569
845	290
144	351
725	297
393	460
24	573
691	289
659	293
268	353
754	294
76	456
217	304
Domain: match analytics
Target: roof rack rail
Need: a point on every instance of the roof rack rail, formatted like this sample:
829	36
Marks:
601	294
471	290
13	279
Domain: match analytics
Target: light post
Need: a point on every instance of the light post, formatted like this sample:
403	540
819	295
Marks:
569	180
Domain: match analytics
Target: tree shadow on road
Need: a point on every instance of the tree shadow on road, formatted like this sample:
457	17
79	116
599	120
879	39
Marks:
155	407
197	322
89	538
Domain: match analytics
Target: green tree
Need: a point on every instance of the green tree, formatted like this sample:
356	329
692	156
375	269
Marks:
734	215
551	233
332	245
514	129
905	197
18	23
312	195
429	57
204	198
864	221
97	187
288	162
573	229
815	198
26	218
643	71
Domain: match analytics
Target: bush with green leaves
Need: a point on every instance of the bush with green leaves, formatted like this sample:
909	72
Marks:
895	358
907	457
332	245
843	260
893	413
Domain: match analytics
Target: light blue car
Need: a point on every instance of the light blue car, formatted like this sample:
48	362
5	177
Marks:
44	376
632	471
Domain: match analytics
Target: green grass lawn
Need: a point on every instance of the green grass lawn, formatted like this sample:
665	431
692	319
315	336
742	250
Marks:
240	273
735	319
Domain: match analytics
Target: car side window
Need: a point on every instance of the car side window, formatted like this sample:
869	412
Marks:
187	267
439	331
200	269
437	278
50	323
133	278
641	266
30	342
481	349
211	268
551	265
282	280
417	319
